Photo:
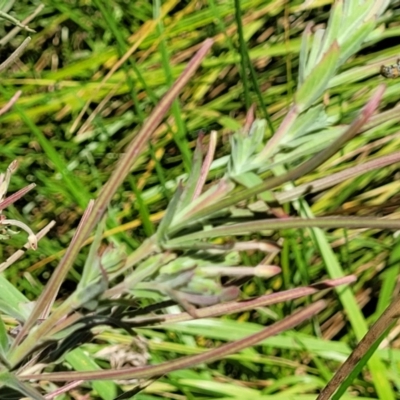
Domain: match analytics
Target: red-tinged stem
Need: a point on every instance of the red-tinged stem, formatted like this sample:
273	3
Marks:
187	362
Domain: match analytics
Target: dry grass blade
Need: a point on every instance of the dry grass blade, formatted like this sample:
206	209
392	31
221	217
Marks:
140	38
19	253
10	103
15	55
376	332
18	29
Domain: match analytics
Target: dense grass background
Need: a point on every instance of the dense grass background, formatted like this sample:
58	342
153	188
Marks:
69	66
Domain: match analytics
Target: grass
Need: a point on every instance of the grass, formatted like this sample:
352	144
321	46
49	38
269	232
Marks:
70	66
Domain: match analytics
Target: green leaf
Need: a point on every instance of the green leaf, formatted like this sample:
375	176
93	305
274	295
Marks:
248	179
304	52
3	338
4	343
23	388
191	183
178	265
244	147
84	296
332	32
80	361
316	83
314	119
170	213
6	5
314	56
355	39
13	302
91	269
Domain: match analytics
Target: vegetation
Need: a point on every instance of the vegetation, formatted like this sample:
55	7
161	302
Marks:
242	157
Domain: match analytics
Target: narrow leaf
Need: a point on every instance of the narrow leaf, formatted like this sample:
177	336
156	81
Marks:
316	82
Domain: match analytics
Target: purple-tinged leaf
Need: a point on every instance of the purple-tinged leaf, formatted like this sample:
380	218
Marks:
251	304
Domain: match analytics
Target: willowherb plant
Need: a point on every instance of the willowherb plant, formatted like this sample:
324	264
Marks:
176	264
186	272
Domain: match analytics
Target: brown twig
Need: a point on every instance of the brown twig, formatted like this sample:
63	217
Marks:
383	323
